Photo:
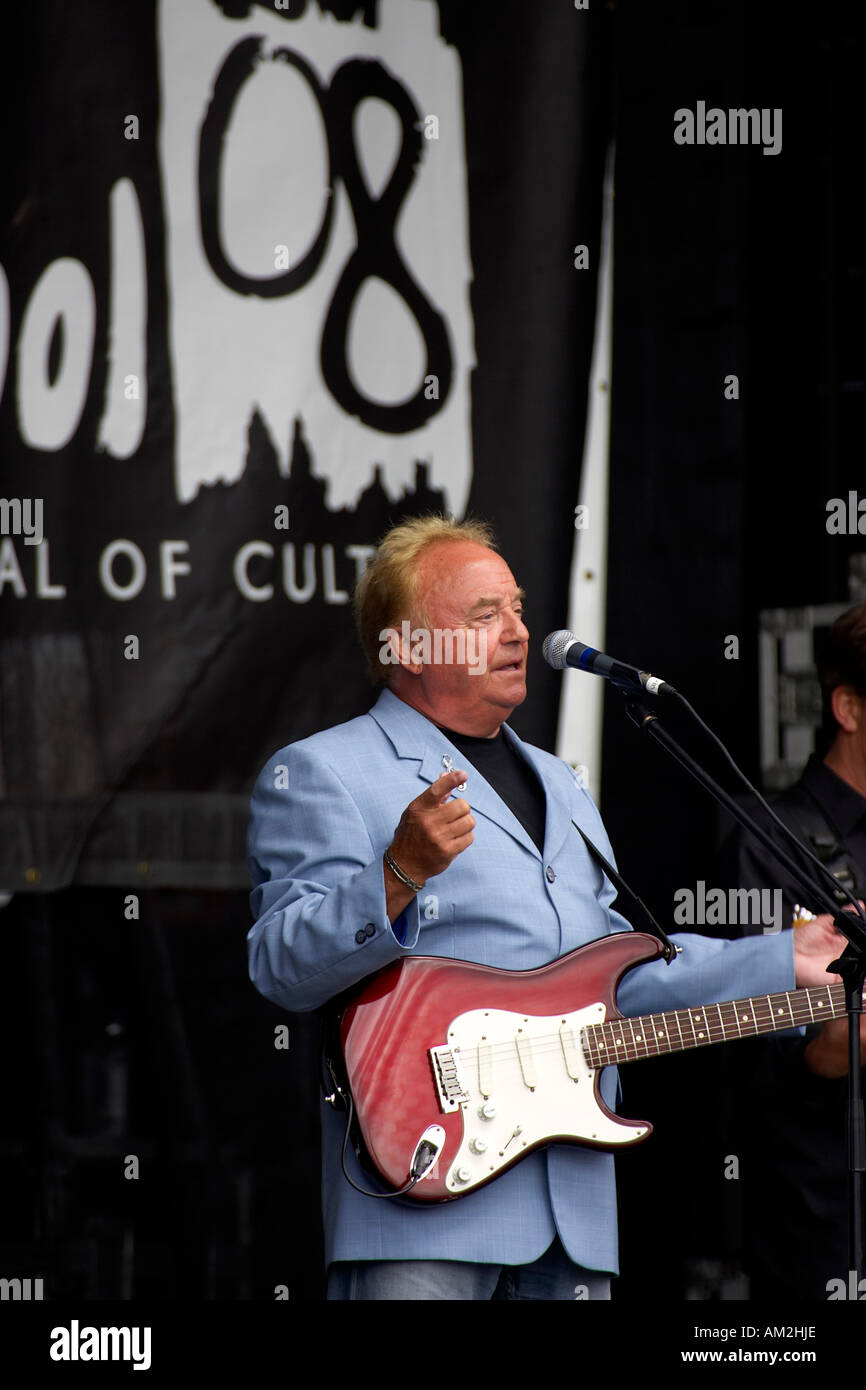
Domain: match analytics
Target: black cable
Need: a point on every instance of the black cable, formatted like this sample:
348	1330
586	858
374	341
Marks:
365	1190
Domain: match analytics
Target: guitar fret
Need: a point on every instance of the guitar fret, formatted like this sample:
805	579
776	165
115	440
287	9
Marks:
722	1022
778	1010
820	1002
762	1013
629	1039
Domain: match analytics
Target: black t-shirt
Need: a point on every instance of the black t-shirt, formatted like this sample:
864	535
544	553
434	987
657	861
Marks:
511	778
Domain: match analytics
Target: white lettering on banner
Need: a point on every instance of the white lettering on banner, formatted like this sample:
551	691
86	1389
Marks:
61	314
300	134
123	421
125	572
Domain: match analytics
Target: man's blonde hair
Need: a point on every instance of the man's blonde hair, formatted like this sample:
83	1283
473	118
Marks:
387	592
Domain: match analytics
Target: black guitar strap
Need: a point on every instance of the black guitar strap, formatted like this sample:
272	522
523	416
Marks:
619	883
813	825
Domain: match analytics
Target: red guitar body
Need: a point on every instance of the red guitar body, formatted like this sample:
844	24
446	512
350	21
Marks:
523	1080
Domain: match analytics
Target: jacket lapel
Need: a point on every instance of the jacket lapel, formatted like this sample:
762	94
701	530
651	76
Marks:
414	737
557	821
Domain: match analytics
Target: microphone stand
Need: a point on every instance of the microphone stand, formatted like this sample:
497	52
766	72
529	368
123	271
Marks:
851	965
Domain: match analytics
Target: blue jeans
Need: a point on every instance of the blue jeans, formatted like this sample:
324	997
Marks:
551	1278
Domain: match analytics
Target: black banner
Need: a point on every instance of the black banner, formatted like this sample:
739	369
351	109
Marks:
271	279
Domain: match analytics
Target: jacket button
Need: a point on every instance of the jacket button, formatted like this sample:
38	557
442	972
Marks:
370	929
550	873
360	936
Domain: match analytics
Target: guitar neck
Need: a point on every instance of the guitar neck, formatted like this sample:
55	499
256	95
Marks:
627	1039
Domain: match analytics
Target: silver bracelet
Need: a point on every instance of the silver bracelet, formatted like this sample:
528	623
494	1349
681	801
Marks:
398	873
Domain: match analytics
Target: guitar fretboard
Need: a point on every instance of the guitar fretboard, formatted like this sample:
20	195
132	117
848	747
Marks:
627	1039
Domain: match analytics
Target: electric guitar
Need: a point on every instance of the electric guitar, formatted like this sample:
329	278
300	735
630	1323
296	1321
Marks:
458	1070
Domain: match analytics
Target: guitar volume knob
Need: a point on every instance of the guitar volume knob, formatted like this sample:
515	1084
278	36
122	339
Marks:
488	1110
478	1146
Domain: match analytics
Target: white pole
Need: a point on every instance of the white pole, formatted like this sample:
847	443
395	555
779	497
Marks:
581	700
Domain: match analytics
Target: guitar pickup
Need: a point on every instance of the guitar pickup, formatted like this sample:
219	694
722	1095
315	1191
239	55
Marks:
448	1075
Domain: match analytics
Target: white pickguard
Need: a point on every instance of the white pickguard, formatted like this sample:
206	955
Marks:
527	1081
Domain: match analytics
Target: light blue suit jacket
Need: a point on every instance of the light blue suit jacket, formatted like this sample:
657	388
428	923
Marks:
323	812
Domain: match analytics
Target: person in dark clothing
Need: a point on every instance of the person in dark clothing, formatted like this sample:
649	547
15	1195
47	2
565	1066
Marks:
791	1116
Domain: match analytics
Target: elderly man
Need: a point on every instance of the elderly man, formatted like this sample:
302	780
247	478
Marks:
363	850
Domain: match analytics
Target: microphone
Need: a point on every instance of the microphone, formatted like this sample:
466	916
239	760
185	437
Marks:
561	649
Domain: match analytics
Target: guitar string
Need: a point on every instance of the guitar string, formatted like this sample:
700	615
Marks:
648	1042
797	1006
794	1012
